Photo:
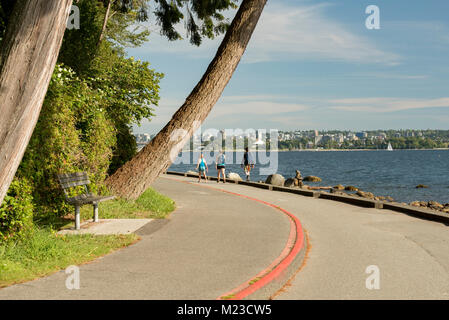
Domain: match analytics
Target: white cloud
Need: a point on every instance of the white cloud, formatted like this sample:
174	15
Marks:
287	32
305	32
387	104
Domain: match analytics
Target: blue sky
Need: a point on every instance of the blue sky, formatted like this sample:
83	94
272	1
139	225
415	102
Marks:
314	65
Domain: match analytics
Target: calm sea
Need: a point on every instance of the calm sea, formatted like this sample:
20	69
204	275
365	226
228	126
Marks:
384	173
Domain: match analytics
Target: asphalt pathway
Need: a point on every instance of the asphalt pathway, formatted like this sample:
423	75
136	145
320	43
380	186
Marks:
213	243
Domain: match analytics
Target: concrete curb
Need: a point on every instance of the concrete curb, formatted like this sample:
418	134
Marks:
357	201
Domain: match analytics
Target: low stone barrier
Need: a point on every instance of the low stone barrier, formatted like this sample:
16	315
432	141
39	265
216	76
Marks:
358	201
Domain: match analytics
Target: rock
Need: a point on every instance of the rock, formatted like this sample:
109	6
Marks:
351	188
312	179
416	203
421	186
192	172
291	182
275	180
234	176
367	195
446	210
382	198
389	199
435	205
339	187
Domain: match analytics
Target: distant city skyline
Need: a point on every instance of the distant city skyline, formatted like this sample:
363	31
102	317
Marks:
314	65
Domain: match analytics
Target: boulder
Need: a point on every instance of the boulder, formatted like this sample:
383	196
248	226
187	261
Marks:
339	187
234	176
291	182
435	205
351	188
421	186
192	172
416	203
389	199
312	179
367	195
275	180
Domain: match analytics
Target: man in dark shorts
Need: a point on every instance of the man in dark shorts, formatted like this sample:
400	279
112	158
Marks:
247	163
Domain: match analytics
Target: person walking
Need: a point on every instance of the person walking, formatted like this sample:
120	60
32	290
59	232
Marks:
247	163
202	168
221	166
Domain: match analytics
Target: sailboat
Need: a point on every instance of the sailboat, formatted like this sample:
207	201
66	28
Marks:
389	148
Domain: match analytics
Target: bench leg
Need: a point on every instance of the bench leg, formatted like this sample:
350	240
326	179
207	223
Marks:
77	217
95	212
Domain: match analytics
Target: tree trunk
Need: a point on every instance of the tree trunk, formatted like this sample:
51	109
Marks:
27	58
135	176
105	22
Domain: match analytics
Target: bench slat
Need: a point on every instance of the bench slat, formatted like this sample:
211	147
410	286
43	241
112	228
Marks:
70	180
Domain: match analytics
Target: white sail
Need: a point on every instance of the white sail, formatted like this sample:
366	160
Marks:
389	148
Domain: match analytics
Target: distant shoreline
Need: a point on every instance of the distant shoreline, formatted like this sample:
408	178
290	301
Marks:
323	150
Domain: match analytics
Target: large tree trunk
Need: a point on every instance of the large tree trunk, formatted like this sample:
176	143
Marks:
135	176
27	58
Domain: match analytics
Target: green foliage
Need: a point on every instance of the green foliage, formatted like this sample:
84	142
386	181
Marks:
202	18
72	134
79	47
16	210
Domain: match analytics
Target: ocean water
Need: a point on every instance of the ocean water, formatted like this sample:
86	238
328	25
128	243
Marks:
384	173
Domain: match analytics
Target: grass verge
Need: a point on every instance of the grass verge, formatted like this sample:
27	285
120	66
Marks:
150	205
43	252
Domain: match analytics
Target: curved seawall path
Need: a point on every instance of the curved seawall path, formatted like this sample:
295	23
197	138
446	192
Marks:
215	245
411	254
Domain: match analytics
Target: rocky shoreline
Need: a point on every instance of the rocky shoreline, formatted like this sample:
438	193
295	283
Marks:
298	182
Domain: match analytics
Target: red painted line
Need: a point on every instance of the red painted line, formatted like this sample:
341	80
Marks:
295	244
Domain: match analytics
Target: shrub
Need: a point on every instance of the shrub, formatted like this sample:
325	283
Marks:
16	211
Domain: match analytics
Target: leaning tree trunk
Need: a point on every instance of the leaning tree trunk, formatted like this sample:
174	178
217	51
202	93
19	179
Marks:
135	176
28	56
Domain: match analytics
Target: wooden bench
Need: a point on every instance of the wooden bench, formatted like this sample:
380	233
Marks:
71	180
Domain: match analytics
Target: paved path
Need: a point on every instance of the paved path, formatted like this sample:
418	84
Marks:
216	241
412	254
213	243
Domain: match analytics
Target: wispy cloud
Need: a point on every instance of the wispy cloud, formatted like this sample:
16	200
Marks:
306	32
286	32
387	104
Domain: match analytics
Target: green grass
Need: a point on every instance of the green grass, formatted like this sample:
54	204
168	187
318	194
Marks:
43	252
150	204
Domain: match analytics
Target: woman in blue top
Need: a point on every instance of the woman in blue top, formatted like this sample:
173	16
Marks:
202	168
221	166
